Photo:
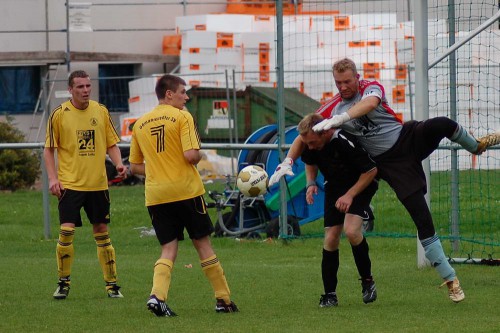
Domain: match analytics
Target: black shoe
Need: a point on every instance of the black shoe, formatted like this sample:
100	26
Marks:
221	306
113	291
328	300
369	290
62	290
159	308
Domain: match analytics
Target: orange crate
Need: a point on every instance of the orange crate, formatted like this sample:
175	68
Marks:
373	43
225	39
401	72
398	94
342	23
357	43
172	44
371	70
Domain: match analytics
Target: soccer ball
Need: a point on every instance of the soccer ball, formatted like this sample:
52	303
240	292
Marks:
252	181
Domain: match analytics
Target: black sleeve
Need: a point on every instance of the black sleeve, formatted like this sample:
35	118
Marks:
355	155
307	157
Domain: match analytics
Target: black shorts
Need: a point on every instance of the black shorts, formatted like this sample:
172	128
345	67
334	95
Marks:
95	203
170	219
401	166
360	204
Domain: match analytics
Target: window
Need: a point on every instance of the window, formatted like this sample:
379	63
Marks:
19	89
113	86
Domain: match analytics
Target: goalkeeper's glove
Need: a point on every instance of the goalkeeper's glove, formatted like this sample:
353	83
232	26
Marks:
284	168
333	122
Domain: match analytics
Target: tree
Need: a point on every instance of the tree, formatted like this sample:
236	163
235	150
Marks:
19	168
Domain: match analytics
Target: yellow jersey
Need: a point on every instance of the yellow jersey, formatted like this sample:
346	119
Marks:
81	138
159	139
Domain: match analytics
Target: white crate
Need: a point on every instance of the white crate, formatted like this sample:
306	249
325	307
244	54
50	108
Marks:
202	56
142	86
264	23
142	103
373	20
229	56
215	22
199	39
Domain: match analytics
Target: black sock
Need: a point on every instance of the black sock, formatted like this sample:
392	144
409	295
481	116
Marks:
329	269
362	259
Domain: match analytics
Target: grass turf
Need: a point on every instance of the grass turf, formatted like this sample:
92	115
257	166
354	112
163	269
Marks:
275	284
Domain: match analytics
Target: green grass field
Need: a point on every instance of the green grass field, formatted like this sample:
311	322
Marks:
275	284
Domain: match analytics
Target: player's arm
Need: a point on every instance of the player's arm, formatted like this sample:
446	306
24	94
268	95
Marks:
192	156
116	157
285	168
55	185
311	187
344	202
364	106
367	104
138	168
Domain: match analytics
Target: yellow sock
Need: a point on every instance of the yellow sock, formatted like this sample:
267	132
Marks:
65	252
215	274
161	278
106	256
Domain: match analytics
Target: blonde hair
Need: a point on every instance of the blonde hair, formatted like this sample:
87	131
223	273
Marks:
308	122
343	65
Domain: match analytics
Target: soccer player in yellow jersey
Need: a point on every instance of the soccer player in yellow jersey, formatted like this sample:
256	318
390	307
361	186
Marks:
82	132
165	148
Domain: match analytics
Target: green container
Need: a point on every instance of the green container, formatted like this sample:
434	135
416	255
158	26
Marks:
255	108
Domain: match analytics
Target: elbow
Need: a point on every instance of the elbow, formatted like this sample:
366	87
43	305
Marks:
192	156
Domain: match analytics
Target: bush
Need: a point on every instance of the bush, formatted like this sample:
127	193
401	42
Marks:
19	168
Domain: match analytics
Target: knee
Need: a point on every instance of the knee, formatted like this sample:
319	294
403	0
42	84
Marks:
354	236
99	228
331	242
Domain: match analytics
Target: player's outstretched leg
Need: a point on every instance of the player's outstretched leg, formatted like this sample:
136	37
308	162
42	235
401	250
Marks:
435	254
487	141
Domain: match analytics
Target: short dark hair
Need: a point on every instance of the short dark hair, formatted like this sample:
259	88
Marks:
167	82
308	122
74	74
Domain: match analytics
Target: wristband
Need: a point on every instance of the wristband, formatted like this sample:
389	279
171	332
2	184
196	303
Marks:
310	183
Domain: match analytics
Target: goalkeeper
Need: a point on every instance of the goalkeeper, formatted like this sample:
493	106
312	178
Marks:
350	184
361	109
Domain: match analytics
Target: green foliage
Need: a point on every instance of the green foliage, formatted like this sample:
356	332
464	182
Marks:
19	168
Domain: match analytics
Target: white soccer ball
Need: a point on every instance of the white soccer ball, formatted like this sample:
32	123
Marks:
252	181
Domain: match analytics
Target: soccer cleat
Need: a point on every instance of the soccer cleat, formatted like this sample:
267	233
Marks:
62	290
369	290
455	292
114	291
487	141
222	307
159	308
328	300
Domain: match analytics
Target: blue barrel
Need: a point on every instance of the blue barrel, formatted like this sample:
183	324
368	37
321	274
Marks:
296	193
